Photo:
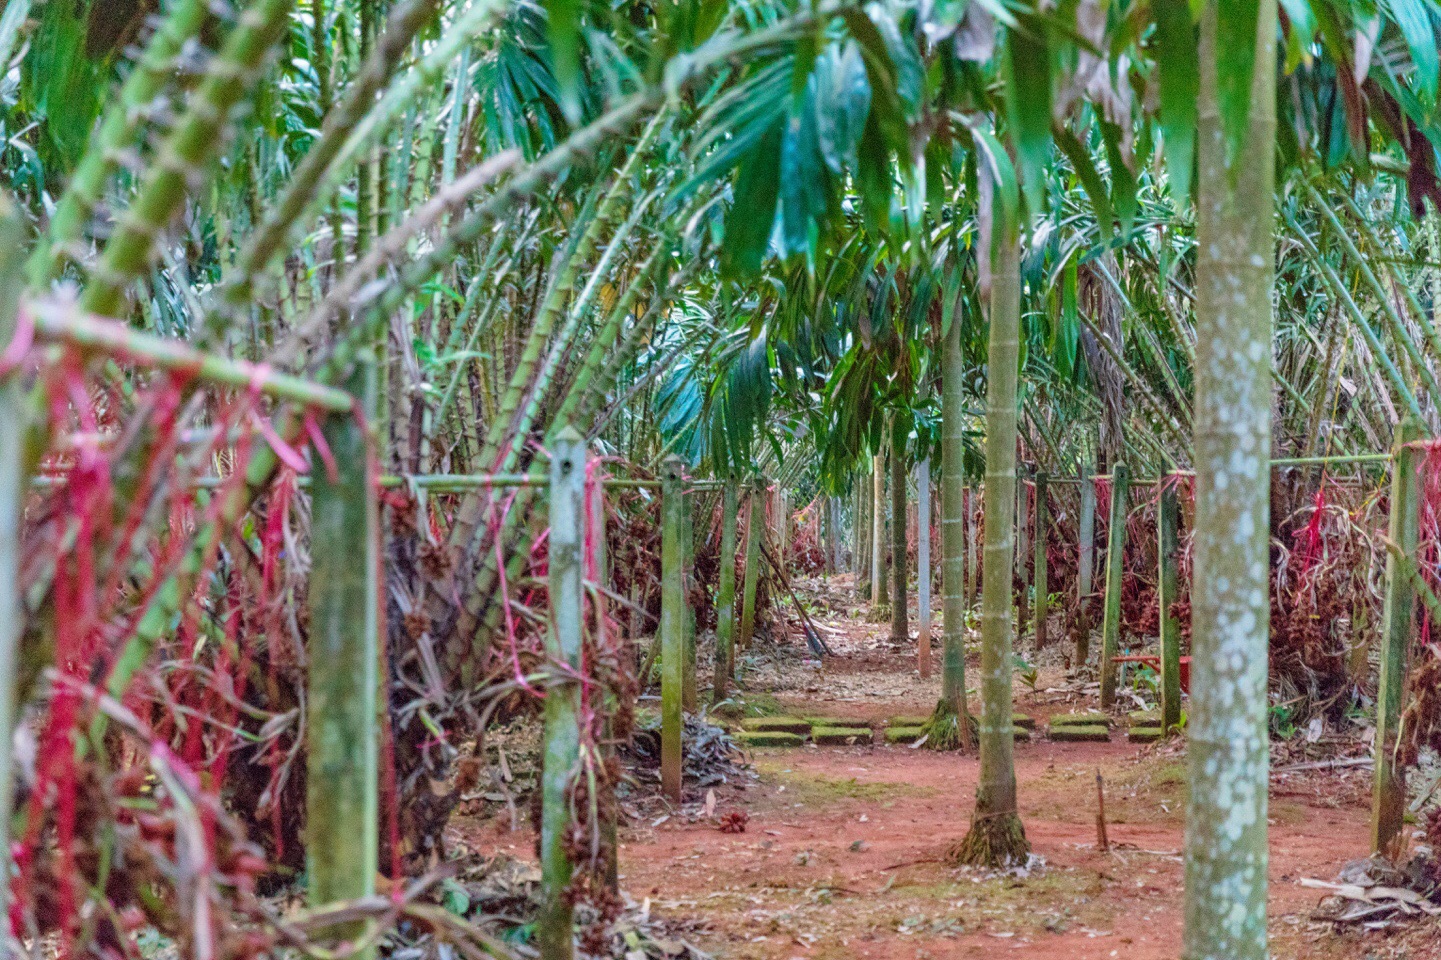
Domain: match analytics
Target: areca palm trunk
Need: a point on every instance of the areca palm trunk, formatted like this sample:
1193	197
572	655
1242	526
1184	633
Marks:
1226	854
726	593
996	837
950	724
878	532
900	624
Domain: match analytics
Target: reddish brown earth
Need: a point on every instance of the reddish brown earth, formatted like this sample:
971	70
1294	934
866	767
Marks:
842	853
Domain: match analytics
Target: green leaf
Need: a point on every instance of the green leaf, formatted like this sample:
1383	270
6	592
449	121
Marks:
1414	20
752	214
563	33
1028	100
1123	181
1090	178
1176	57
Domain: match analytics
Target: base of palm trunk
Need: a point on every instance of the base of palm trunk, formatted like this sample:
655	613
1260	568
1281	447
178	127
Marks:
995	840
946	730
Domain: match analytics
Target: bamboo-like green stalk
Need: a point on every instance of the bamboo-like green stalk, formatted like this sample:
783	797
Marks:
1115	572
1423	319
1168	591
1397	626
755	529
972	562
13	419
1085	565
598	591
672	627
561	754
191	146
900	627
1328	273
726	593
1399	334
116	131
997	837
950	725
1042	578
342	742
1227	751
923	565
863	558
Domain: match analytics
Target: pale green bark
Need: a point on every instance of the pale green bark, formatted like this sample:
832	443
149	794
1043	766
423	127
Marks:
1226	857
1042	578
1085	567
1397	620
342	743
672	628
755	529
950	724
555	924
878	533
996	836
923	565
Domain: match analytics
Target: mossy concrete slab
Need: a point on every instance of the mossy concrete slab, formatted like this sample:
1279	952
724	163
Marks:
1090	718
1023	721
1143	734
1145	718
837	722
841	736
776	724
770	738
1080	733
906	734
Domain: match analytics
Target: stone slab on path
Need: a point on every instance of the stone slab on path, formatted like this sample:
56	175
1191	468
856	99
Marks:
1079	733
841	736
1144	734
776	725
770	738
1090	718
906	734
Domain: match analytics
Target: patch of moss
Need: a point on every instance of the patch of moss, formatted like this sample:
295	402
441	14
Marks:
1143	734
1023	721
840	736
909	720
776	724
770	738
1145	718
908	734
1079	733
805	787
819	721
1089	718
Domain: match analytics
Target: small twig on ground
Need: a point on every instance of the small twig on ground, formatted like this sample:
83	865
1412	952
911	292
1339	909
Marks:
1103	844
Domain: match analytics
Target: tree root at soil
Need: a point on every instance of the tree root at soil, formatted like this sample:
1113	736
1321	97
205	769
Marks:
996	840
944	731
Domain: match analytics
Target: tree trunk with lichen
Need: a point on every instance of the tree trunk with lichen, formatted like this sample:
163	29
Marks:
1226	855
996	837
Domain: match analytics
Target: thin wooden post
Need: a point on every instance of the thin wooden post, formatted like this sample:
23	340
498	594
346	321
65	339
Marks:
342	742
12	506
923	564
1397	624
1115	555
879	588
837	550
554	927
689	699
672	628
755	529
1168	586
1041	575
1085	566
725	624
972	564
1023	509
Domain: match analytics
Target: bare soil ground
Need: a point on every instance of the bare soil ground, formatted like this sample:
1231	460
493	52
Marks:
842	852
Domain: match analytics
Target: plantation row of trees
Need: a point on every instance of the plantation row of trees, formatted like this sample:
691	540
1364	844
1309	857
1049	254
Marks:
775	239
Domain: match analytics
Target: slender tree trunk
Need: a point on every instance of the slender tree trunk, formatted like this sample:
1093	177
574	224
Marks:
1040	573
13	417
1226	857
1085	569
1168	588
726	594
923	565
1115	573
950	725
862	559
672	627
900	625
878	532
1023	540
